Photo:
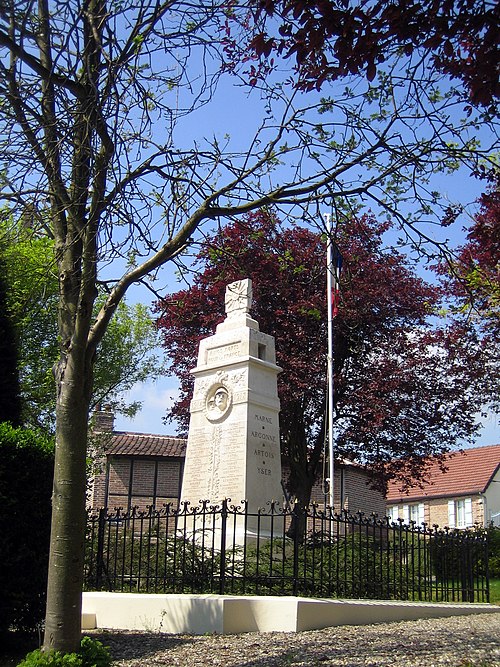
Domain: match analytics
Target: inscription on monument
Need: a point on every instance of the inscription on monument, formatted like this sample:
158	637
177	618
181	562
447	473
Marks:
217	354
263	418
266	449
263	436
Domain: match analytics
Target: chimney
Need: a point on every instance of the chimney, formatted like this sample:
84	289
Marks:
103	419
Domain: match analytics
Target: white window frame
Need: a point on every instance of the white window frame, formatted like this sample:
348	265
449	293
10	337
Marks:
460	513
414	512
393	513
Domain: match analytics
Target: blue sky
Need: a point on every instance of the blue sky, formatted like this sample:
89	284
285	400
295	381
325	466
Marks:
239	118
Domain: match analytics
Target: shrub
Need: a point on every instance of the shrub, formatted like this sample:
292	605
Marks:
92	653
453	553
494	552
26	469
148	562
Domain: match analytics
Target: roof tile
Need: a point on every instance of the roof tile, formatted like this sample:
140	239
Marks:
145	444
468	472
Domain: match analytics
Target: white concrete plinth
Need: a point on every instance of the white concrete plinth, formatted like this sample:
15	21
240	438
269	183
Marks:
199	614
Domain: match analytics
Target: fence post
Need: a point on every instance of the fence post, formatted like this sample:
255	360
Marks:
296	540
486	555
467	565
223	533
100	547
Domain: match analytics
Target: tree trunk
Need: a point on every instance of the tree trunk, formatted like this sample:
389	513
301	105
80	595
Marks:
304	462
65	577
298	525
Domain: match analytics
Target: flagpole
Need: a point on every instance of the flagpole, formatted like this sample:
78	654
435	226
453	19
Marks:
329	291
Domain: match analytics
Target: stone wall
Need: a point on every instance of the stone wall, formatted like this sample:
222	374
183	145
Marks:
358	494
437	511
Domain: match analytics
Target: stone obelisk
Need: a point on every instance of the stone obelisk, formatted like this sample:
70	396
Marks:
233	448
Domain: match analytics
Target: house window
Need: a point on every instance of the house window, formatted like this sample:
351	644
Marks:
460	513
414	512
393	513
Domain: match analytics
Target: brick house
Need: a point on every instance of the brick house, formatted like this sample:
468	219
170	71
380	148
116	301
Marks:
138	470
352	490
141	470
467	493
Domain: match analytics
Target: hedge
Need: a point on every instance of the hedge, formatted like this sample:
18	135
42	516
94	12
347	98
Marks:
26	471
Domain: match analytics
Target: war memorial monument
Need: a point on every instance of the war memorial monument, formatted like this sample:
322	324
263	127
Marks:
233	449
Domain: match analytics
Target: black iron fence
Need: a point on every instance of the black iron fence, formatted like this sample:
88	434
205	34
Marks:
229	550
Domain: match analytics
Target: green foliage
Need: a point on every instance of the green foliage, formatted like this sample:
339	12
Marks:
186	565
495	591
39	658
124	357
26	469
166	552
494	552
356	565
10	397
459	558
92	654
398	565
32	305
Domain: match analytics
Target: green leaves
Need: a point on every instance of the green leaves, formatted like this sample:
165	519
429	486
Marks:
137	41
125	356
92	654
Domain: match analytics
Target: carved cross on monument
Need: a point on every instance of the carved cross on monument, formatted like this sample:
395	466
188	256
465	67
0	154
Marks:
238	298
238	301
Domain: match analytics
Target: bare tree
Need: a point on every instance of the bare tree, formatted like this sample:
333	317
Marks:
97	101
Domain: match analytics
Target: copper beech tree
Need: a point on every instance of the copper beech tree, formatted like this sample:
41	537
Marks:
327	40
473	280
472	283
119	139
406	386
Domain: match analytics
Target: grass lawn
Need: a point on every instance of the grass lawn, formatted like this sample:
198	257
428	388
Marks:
495	591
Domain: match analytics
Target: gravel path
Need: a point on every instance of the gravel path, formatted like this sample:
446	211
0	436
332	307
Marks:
461	641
